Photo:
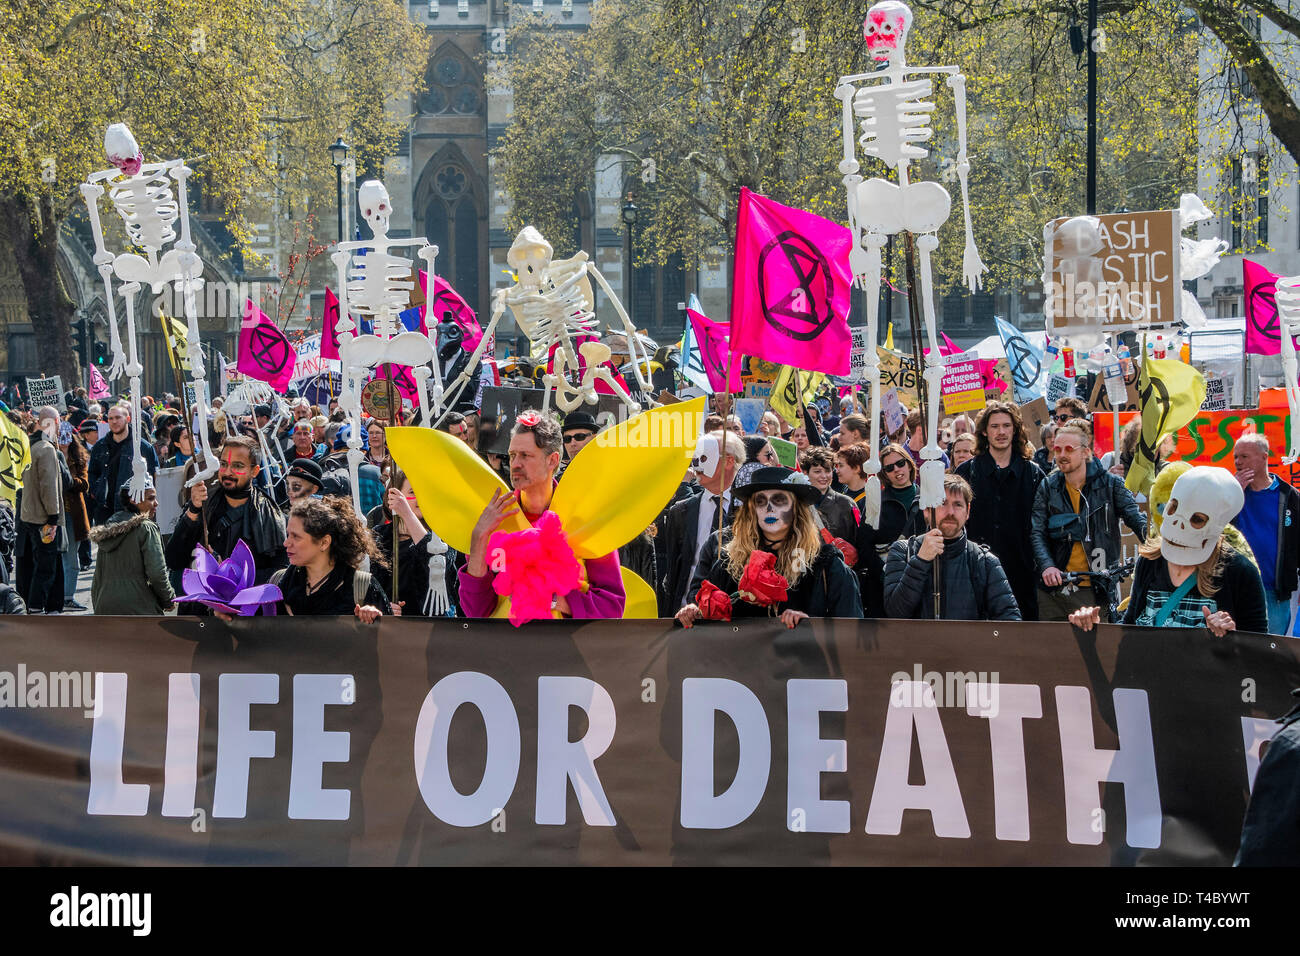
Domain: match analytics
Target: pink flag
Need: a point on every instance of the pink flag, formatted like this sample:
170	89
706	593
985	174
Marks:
790	287
711	340
1263	335
264	352
329	340
448	304
98	387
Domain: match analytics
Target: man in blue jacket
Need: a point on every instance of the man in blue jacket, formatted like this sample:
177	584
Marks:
1270	520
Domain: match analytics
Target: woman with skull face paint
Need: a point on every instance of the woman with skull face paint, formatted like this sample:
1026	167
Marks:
777	517
1189	576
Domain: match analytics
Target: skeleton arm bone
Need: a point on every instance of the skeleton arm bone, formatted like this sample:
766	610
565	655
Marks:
859	261
104	262
972	266
633	344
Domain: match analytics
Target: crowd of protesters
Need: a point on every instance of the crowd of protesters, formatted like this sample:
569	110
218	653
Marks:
1023	532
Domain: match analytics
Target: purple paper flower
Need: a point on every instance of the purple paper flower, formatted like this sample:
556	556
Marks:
228	586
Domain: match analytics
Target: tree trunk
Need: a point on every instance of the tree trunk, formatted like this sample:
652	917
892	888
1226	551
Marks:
35	245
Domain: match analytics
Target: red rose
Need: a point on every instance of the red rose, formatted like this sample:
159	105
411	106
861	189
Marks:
714	604
760	584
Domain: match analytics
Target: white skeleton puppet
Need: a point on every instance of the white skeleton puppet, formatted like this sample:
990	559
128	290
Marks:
894	111
552	302
142	195
1288	315
378	286
243	400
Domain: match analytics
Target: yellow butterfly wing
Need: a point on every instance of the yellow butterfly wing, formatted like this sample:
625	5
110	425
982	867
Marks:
641	600
620	481
452	484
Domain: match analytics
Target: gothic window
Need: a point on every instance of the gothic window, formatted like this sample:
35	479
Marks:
452	223
451	85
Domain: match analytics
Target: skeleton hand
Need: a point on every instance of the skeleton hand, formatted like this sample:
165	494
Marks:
119	364
972	267
139	476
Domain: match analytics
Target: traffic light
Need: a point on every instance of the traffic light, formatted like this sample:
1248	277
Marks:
100	351
80	329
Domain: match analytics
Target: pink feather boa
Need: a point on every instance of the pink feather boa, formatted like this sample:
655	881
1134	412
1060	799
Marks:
532	567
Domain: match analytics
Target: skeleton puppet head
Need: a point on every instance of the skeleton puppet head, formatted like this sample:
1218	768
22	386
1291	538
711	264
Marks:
376	206
885	30
530	258
1202	502
708	453
122	149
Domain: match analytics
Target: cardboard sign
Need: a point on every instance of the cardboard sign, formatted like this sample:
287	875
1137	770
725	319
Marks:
787	452
1136	271
857	359
46	391
898	371
1035	415
1099	401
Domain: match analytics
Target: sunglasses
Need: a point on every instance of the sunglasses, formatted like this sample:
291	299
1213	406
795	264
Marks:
1063	417
893	465
577	436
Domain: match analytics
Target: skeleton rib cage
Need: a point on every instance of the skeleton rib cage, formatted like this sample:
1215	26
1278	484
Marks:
895	115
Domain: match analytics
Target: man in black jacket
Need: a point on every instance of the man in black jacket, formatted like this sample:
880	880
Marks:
973	586
689	523
241	512
1077	511
1004	479
110	463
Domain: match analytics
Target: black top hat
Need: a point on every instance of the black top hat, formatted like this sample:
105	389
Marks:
578	420
779	479
307	470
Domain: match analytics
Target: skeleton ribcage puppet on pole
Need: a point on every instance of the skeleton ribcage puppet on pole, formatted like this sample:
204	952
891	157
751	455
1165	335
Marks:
552	302
141	193
377	285
894	111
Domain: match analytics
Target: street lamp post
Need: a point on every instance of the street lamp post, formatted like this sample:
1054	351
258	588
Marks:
338	156
629	220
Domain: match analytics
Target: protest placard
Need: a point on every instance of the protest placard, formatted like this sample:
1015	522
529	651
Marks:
46	391
898	371
962	386
1216	394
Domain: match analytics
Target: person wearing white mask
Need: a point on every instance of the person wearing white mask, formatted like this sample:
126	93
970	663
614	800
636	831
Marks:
1189	576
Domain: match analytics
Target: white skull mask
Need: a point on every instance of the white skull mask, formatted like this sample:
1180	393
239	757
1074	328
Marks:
376	206
885	30
1202	502
122	149
708	453
530	258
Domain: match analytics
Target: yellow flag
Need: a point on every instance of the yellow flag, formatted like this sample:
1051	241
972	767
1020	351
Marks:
785	400
178	333
15	456
889	337
1171	394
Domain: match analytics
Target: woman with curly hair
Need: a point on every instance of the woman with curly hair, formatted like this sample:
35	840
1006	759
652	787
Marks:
777	517
326	542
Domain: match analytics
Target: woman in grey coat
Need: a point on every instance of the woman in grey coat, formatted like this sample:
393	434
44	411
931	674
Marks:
130	573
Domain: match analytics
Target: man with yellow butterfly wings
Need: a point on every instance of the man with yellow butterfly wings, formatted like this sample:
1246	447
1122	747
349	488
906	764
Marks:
611	491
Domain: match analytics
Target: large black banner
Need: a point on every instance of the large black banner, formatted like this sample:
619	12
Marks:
295	740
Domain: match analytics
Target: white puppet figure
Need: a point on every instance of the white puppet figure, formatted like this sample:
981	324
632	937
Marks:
892	106
552	302
378	286
243	400
1288	316
142	195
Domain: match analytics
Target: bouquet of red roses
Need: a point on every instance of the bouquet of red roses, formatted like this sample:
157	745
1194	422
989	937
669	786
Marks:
759	583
